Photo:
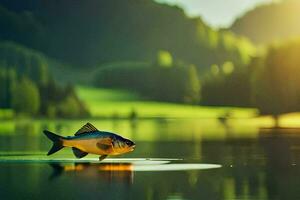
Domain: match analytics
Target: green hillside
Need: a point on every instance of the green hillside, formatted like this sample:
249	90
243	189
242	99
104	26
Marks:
91	33
121	104
269	23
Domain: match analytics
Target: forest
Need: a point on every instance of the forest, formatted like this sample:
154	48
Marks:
141	46
27	87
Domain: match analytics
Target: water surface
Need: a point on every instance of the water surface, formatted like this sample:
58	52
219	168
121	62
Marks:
174	159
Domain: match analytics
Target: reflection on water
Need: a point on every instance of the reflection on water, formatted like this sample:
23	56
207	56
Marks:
256	163
111	172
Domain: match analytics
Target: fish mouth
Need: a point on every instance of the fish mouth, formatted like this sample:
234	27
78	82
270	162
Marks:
132	147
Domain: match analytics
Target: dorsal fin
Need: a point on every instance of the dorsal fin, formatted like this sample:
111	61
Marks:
86	129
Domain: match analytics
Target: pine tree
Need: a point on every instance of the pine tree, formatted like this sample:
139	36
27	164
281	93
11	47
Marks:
192	86
26	97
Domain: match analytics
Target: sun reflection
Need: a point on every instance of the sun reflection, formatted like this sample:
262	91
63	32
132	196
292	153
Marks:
73	168
116	167
108	172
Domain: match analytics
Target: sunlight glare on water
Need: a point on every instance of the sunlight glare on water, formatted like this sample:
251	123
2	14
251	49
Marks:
137	164
176	167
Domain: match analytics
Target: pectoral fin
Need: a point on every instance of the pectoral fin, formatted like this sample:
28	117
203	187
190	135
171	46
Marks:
104	147
102	157
78	153
107	141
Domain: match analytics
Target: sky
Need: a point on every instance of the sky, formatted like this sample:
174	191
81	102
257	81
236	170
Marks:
217	13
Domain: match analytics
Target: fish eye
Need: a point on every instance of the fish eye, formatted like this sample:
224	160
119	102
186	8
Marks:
128	142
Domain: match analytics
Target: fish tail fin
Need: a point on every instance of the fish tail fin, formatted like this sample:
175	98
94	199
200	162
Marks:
57	142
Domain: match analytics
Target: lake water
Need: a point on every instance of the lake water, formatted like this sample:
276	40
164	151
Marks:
174	159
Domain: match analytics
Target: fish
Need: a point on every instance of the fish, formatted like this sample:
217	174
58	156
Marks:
89	139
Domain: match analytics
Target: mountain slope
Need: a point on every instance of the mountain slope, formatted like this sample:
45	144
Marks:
267	23
88	33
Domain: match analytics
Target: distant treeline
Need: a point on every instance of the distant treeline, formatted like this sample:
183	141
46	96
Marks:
269	82
27	87
161	80
165	79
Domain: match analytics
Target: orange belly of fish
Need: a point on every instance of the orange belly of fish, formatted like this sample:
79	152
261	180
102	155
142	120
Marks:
89	146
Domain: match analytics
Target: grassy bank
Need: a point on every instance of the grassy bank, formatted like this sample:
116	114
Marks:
118	103
6	113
